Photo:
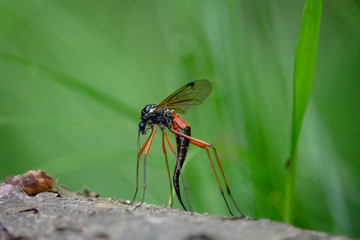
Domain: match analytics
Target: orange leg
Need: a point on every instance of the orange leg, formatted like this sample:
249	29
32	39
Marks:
171	147
167	164
145	146
140	151
205	145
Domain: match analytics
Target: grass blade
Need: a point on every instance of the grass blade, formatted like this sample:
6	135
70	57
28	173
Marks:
305	59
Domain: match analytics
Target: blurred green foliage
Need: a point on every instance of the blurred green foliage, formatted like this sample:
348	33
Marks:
74	76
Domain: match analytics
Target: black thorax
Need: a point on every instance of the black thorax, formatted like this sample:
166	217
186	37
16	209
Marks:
151	116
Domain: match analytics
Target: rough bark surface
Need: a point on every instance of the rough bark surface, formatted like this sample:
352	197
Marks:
71	216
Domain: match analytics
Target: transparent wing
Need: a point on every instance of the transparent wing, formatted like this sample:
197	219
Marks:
193	93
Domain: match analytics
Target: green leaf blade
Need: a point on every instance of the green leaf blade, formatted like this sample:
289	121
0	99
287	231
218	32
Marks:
304	68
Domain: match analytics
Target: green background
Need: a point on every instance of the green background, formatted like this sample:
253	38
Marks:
74	76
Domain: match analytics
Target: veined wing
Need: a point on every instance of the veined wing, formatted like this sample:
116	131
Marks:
193	93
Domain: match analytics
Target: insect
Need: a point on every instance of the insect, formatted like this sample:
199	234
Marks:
165	116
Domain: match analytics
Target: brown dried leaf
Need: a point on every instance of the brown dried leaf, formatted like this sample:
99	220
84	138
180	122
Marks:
32	182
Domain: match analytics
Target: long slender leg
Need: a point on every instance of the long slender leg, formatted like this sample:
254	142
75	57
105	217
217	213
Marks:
140	151
216	176
145	154
226	184
168	141
167	166
205	145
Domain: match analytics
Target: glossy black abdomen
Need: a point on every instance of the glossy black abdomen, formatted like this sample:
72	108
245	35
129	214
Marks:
182	147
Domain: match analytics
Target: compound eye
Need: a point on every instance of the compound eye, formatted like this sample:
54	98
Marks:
145	110
148	108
